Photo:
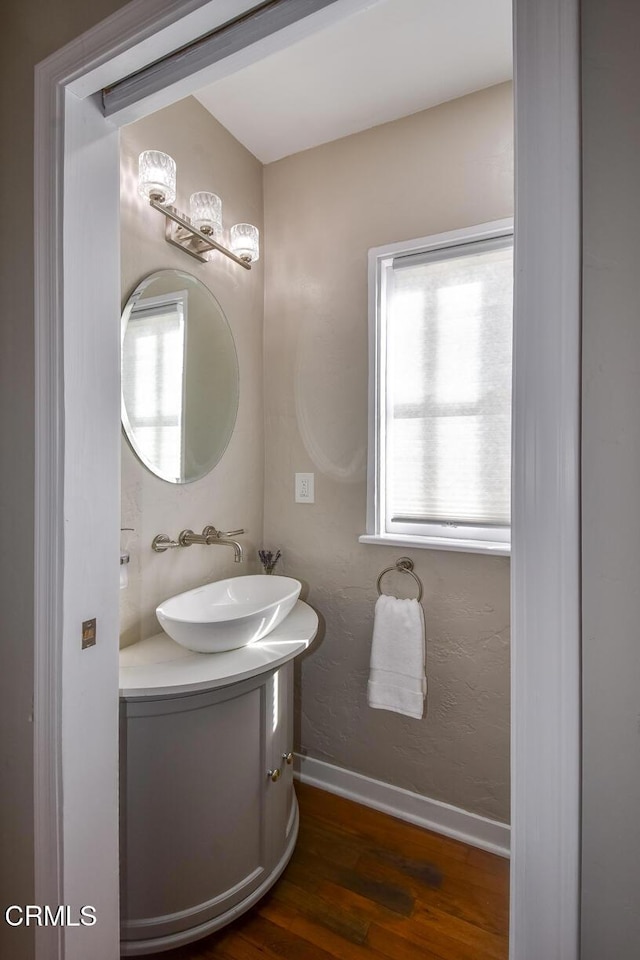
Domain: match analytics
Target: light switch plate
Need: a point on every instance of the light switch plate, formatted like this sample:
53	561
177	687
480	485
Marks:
305	492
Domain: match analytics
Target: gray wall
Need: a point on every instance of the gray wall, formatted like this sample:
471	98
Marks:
611	481
31	30
438	170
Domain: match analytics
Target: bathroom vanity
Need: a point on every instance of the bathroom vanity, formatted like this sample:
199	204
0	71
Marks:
209	817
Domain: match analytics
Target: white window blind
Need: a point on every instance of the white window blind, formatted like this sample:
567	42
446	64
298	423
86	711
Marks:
448	397
154	389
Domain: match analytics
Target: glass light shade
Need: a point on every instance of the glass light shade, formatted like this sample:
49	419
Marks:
245	241
206	213
157	176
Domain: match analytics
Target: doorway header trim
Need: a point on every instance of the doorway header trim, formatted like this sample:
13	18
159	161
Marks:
216	45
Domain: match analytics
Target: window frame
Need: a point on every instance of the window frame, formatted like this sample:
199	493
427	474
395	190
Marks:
433	536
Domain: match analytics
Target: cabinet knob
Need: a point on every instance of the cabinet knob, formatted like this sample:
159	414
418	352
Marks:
274	774
288	757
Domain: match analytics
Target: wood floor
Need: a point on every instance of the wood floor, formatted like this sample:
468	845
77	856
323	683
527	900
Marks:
364	886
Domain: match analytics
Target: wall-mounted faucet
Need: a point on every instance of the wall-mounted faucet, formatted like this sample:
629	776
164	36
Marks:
208	537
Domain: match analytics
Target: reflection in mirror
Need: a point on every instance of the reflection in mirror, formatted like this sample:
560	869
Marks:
179	376
153	379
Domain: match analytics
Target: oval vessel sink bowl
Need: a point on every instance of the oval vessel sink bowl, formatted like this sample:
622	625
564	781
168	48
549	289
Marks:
228	613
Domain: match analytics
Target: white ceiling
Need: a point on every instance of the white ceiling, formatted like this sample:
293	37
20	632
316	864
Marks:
390	60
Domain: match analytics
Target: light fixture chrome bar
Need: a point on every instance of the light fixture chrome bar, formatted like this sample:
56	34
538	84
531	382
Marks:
180	232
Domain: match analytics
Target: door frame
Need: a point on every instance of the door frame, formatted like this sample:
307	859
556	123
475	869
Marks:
77	464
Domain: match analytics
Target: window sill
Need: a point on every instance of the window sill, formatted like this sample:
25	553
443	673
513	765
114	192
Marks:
487	547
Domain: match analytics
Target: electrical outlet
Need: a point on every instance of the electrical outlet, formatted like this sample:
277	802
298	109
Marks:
305	488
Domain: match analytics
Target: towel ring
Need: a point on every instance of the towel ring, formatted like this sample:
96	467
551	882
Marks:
402	565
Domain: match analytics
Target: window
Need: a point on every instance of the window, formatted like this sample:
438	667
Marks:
440	391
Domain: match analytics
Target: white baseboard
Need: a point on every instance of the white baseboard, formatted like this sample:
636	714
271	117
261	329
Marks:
405	805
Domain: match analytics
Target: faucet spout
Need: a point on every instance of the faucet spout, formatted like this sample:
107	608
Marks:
212	536
237	548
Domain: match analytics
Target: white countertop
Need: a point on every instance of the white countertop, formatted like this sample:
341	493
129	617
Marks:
159	667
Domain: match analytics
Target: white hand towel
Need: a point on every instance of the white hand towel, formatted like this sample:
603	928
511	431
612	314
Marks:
397	671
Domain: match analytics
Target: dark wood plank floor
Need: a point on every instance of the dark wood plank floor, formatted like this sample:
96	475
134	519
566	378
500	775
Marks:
364	886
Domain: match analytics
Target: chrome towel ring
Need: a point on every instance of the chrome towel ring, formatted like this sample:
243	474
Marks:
402	565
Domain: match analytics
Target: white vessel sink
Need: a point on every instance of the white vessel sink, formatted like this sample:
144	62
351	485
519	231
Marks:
228	613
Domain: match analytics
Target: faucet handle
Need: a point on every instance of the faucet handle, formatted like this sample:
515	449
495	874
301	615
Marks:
210	532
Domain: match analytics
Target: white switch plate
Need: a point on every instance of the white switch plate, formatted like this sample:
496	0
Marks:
305	488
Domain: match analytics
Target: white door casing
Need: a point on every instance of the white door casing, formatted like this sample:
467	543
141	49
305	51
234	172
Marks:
545	558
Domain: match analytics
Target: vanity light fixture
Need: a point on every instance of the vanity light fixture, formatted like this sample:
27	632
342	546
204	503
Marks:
244	241
201	232
157	176
206	214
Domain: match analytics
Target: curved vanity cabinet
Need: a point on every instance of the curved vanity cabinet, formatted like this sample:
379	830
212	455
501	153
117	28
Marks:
209	817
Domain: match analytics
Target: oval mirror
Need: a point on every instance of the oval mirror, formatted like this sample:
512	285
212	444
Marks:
180	381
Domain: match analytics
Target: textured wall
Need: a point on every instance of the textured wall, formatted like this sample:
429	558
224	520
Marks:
207	158
445	168
611	481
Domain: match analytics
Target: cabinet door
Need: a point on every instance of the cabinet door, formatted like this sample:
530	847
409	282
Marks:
281	805
193	789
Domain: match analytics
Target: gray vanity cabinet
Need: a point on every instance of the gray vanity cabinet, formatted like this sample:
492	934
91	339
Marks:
208	811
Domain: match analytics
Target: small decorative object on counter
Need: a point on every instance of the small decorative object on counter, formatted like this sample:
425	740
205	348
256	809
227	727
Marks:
268	559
